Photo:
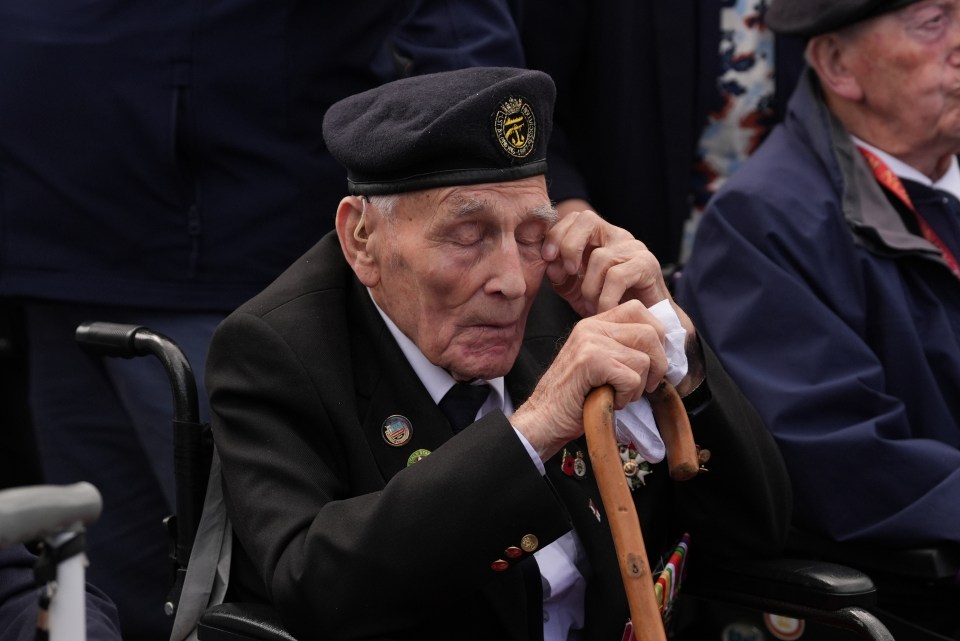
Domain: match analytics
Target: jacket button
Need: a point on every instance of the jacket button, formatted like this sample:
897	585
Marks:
529	543
513	552
499	565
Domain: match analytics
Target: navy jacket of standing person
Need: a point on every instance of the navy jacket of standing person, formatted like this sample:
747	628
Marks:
358	512
160	163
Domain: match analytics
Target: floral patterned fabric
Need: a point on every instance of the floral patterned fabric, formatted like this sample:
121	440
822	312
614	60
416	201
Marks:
746	114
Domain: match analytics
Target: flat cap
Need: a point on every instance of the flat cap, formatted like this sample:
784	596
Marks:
469	126
813	17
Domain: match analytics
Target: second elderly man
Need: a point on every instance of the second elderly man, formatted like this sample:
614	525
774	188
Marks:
825	274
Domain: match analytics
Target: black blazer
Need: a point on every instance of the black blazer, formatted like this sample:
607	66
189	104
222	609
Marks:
349	541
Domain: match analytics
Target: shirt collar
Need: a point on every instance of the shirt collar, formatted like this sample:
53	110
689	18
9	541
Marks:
949	182
436	379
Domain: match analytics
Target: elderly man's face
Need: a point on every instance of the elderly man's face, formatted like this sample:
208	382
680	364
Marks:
459	268
908	64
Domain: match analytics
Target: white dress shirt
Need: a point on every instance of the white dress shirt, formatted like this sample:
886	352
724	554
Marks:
948	182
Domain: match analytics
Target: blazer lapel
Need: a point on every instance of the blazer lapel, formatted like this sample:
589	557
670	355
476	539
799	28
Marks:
390	396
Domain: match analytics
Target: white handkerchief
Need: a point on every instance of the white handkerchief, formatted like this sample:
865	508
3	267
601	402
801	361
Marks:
635	423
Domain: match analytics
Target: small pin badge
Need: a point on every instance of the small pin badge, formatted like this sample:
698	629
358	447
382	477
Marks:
593	508
573	465
703	457
397	430
417	456
579	466
567	463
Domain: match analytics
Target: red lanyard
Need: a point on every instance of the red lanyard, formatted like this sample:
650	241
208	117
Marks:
888	179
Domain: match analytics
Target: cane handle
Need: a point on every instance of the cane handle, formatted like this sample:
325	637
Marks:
675	430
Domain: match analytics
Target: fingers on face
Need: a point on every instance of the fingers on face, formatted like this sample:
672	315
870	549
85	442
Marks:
602	261
572	235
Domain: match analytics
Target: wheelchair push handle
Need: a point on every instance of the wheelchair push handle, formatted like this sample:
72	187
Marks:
39	511
113	339
129	341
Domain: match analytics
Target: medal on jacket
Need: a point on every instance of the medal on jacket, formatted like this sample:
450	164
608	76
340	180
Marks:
671	576
573	465
635	467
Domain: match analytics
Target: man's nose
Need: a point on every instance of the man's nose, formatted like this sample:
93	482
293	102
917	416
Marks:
507	273
953	58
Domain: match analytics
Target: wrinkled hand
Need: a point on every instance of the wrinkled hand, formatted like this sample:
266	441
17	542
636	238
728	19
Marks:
622	347
610	278
595	265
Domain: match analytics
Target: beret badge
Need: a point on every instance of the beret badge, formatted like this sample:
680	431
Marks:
515	127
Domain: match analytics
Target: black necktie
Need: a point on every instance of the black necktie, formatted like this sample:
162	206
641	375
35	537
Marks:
462	402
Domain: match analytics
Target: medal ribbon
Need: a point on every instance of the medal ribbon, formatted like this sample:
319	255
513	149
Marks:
669	580
891	181
667	585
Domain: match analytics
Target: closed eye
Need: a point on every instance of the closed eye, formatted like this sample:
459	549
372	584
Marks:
467	234
930	22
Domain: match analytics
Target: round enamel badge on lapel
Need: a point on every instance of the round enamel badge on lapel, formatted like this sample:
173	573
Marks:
397	430
515	127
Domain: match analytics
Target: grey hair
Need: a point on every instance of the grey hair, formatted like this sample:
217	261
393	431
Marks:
386	204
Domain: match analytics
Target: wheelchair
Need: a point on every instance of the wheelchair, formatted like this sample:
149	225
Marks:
797	592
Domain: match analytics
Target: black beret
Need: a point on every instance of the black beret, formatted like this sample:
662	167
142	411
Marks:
814	17
470	126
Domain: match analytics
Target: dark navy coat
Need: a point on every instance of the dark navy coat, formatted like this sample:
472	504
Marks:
842	326
168	154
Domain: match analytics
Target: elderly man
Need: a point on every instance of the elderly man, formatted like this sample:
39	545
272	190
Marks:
825	274
364	507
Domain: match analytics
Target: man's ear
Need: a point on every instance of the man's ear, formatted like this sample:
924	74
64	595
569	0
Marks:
353	226
830	55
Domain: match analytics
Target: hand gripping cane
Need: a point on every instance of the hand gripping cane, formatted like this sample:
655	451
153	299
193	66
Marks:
598	421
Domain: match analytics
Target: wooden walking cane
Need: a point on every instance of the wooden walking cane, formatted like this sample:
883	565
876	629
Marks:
598	422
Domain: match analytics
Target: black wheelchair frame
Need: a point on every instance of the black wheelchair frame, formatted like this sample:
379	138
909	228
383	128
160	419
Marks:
827	593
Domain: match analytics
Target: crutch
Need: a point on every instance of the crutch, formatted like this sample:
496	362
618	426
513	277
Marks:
57	516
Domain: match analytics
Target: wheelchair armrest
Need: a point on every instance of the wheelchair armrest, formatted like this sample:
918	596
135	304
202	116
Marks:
776	584
242	622
821	592
930	563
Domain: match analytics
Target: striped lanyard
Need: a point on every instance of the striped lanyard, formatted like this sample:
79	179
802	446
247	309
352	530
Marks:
888	179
